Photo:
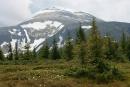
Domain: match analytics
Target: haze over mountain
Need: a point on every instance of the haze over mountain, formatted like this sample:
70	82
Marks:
11	13
55	23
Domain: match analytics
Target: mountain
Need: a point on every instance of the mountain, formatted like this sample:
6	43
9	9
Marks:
55	23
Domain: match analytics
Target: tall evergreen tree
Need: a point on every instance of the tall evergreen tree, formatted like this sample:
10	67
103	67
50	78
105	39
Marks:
54	51
16	51
128	48
123	43
69	49
10	51
80	35
108	47
94	43
82	53
1	54
27	53
115	51
34	53
45	51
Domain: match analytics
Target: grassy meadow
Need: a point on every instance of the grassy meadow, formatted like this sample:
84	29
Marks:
50	73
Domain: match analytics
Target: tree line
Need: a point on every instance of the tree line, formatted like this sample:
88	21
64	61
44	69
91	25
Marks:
88	49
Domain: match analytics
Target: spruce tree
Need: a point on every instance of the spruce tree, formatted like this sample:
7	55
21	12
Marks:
128	48
16	51
82	53
27	53
81	48
10	51
1	54
80	35
123	43
54	51
69	49
94	43
61	52
34	53
45	51
108	48
115	51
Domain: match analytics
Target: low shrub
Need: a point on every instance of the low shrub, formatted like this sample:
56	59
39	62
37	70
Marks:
101	73
77	72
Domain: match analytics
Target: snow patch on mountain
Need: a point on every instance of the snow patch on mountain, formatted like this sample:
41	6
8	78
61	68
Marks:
4	44
60	42
36	43
22	44
15	32
19	34
13	42
54	31
12	32
41	25
28	39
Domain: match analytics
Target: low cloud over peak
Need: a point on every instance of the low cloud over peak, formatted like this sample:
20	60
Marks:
14	11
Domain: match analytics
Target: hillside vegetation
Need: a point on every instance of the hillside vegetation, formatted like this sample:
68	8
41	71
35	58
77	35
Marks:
48	73
87	61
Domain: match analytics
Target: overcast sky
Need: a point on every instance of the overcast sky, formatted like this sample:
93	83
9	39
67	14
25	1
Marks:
14	11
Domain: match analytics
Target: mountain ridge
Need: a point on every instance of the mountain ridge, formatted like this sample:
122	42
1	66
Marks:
50	23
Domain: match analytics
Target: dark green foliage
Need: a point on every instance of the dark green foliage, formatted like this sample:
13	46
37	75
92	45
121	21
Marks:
21	55
102	66
77	72
94	43
27	53
128	49
10	51
54	51
34	53
117	74
82	53
80	35
81	41
109	48
45	51
69	49
97	50
16	51
62	53
1	55
123	43
107	74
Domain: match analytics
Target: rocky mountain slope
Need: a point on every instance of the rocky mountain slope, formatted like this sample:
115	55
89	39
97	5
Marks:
55	23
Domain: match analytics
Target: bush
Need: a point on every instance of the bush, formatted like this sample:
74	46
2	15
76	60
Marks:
101	73
77	72
117	74
104	77
19	62
102	67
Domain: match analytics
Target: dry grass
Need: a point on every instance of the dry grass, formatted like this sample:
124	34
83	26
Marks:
51	74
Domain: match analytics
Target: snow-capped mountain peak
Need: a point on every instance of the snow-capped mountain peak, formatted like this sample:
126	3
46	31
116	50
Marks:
52	23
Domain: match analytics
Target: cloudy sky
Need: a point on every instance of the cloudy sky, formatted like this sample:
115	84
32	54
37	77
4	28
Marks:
14	11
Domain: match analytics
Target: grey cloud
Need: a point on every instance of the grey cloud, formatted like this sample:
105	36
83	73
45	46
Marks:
110	10
15	11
